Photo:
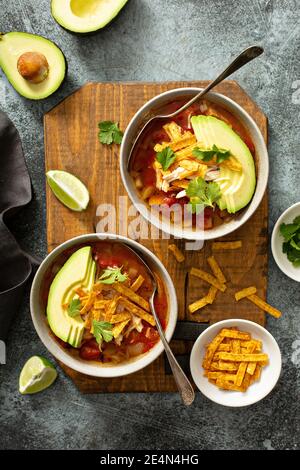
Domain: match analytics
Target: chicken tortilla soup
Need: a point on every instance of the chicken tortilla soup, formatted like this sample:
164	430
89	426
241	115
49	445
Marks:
200	164
96	298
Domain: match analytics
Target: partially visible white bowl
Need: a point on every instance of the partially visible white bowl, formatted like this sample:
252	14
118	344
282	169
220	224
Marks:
262	163
277	239
92	368
258	390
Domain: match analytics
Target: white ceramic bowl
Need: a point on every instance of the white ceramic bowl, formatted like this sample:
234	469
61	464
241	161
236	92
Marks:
261	156
277	239
258	390
92	368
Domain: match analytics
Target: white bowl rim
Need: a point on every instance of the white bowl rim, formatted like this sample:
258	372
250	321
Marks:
83	366
170	229
222	324
275	233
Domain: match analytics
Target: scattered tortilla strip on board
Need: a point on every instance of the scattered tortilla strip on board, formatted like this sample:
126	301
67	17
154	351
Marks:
227	245
265	306
208	278
245	292
216	269
179	256
198	304
211	294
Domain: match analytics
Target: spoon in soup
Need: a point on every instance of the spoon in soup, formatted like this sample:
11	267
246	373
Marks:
242	59
184	386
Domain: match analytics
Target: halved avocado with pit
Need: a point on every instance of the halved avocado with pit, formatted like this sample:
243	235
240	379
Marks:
85	16
34	65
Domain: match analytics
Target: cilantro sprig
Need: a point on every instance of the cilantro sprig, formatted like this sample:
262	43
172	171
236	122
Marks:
202	194
166	157
111	275
207	154
109	133
74	308
102	331
291	244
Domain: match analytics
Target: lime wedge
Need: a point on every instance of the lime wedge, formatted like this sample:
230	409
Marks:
37	374
68	189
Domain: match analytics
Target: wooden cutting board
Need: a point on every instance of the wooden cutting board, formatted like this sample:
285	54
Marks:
71	144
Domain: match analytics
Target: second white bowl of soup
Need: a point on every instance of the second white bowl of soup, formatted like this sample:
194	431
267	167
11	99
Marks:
89	305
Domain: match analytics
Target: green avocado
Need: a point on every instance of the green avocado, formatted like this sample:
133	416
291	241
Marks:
237	188
85	16
78	271
35	66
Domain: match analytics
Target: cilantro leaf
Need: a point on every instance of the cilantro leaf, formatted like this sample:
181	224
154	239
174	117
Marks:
202	194
166	157
207	154
102	331
109	133
111	275
74	308
291	244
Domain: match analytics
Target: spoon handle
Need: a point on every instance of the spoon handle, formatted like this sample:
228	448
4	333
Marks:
184	386
242	59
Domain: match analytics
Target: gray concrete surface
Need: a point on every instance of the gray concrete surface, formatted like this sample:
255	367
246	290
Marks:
161	40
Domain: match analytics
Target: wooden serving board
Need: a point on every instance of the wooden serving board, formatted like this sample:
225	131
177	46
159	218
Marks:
71	144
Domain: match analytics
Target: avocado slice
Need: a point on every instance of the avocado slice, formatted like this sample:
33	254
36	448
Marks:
85	16
237	188
35	66
78	271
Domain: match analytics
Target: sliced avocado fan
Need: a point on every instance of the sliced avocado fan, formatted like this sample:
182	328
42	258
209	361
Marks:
78	271
85	16
237	187
34	65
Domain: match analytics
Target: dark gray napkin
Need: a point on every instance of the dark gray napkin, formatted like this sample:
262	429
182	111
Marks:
15	192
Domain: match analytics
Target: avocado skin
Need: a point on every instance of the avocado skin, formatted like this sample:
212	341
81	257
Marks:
65	61
91	33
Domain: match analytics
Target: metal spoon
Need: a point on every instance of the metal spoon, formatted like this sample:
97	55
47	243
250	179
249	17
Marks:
184	386
242	59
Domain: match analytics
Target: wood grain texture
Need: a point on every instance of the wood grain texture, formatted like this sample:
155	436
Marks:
71	144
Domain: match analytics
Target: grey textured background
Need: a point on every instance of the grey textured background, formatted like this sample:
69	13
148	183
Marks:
161	40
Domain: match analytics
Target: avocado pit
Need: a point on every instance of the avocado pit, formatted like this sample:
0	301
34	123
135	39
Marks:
33	67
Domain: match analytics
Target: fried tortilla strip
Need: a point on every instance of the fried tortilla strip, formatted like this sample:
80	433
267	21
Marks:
137	283
210	351
230	366
98	287
120	317
80	292
100	304
186	152
241	373
251	368
211	294
174	131
235	334
135	310
118	328
228	385
227	245
183	184
216	269
246	381
236	346
264	306
208	278
89	303
225	347
177	144
179	256
220	375
133	296
198	304
232	163
242	357
257	372
245	292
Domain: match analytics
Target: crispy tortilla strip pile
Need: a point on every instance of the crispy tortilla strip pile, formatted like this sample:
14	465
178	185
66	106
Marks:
217	283
250	294
115	303
233	360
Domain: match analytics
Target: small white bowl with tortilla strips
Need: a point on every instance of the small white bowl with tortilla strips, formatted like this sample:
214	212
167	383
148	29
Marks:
89	305
235	362
199	175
